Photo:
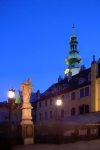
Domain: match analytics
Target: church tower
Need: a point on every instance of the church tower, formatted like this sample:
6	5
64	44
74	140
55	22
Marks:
73	60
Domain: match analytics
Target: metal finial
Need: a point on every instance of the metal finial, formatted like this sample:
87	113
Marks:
73	28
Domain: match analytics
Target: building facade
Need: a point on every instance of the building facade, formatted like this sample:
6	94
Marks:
79	91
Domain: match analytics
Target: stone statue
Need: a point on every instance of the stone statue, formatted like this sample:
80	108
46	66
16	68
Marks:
26	88
26	123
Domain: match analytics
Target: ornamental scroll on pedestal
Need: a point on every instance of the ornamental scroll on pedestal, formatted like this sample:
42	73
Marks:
27	124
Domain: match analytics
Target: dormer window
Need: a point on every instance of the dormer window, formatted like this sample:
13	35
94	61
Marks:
81	80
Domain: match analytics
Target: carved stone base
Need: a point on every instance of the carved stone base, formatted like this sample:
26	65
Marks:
28	141
27	133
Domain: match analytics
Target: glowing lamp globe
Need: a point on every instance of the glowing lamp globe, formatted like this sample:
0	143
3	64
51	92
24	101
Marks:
11	93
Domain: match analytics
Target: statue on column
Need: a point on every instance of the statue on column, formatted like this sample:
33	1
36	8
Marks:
27	124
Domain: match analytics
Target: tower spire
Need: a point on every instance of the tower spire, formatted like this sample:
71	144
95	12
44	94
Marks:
73	60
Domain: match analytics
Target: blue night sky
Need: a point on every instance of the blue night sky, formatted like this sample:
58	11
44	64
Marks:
34	39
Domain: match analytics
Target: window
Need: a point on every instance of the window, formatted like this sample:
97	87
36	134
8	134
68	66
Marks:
87	91
63	98
73	111
46	116
39	116
81	80
81	92
50	101
62	113
50	114
39	104
72	95
45	102
83	109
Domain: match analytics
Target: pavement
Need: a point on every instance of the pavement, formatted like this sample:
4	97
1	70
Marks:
79	145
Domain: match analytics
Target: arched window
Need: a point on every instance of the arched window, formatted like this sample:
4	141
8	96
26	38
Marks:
63	98
62	113
72	95
73	111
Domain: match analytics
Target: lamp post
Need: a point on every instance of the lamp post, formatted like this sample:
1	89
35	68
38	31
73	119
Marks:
58	103
11	100
11	95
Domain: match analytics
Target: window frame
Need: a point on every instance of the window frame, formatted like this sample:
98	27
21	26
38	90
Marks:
82	95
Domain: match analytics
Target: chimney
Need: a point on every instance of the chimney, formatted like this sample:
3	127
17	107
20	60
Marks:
60	79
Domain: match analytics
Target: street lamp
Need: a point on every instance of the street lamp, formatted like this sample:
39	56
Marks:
58	103
11	95
11	100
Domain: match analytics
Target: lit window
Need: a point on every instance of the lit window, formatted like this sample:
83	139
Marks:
81	92
87	91
72	95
